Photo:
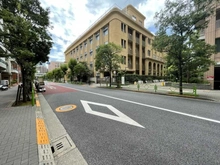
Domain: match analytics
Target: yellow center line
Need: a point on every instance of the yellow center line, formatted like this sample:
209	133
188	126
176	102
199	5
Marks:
42	136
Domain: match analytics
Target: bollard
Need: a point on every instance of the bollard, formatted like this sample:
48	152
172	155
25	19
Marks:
155	88
138	86
194	90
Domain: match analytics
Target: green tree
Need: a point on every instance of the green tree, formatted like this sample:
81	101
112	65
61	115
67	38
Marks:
71	64
107	58
81	70
177	23
58	74
49	76
64	69
24	34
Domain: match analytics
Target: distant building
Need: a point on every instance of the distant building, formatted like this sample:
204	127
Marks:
53	65
41	68
211	35
9	70
122	27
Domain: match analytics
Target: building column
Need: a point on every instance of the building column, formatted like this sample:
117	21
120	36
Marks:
140	54
133	50
146	67
152	68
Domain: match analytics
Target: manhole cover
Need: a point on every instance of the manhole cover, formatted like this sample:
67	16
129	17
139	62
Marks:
66	108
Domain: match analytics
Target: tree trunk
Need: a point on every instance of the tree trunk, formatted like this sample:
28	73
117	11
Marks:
180	77
24	93
110	79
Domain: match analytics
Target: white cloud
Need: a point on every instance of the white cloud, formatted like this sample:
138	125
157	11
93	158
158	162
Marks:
71	18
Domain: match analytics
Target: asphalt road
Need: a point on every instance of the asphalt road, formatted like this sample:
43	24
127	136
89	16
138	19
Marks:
114	127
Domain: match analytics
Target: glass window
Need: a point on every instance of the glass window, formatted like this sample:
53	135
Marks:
148	52
123	27
97	36
217	43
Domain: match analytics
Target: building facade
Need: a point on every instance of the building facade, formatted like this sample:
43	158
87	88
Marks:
126	28
53	65
9	70
211	35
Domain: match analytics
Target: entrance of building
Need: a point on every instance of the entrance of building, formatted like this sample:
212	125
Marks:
217	78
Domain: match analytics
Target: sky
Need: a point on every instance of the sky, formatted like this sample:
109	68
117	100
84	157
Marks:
71	18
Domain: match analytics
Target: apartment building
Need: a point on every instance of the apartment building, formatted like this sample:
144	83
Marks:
211	35
9	70
126	28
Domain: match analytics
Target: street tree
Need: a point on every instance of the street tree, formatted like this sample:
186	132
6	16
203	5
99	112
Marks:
108	59
58	74
71	64
64	69
177	23
81	70
24	35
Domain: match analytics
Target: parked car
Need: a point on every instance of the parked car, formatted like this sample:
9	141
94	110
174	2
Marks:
40	86
3	87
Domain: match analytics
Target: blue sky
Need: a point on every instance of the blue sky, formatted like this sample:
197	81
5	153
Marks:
70	18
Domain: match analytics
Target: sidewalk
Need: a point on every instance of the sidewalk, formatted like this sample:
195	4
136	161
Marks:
18	144
29	134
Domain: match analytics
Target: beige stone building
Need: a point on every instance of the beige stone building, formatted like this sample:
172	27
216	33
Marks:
211	35
126	28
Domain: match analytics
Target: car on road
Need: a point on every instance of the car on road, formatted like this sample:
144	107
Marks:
3	87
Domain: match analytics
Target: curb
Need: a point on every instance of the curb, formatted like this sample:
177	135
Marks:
43	142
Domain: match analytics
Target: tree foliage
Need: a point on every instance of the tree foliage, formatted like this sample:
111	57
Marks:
107	58
64	69
178	23
24	35
71	64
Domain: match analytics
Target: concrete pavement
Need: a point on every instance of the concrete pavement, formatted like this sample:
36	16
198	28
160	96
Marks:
22	141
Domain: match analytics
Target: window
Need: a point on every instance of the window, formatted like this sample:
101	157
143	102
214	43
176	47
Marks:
149	41
81	46
97	36
91	65
81	57
123	43
77	59
124	60
217	43
90	40
105	31
96	47
123	27
91	51
133	17
148	52
85	44
85	54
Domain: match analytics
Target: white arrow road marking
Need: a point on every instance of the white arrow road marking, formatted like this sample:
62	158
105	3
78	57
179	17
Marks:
120	116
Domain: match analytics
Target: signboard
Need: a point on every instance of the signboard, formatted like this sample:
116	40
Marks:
39	74
210	77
